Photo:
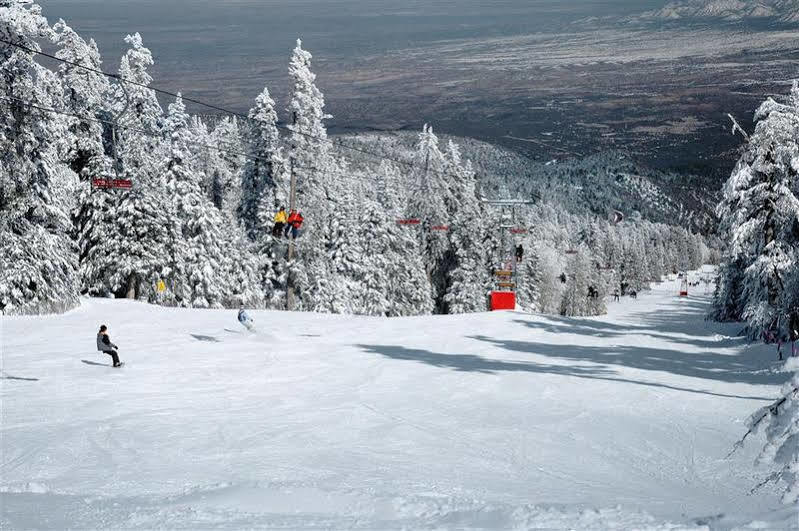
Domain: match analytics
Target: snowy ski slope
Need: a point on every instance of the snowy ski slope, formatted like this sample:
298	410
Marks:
503	420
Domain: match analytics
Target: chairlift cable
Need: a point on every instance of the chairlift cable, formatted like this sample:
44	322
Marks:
152	134
286	127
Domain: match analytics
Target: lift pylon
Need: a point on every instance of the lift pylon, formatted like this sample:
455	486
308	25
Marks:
505	278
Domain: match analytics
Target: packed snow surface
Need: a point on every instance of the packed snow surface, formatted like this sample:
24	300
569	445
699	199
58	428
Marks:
503	420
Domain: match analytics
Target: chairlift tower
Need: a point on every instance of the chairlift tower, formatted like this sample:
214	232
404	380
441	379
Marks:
506	281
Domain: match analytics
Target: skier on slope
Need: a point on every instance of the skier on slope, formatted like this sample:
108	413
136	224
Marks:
104	345
245	319
280	222
519	253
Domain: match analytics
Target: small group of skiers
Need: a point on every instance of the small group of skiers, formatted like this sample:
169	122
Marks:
287	225
630	292
105	345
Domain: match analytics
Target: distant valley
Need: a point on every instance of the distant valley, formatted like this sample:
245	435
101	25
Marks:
547	79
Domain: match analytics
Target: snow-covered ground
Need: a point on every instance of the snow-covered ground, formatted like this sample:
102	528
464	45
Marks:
504	420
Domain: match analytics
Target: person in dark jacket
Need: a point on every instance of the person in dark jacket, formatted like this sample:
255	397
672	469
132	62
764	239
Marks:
519	253
104	345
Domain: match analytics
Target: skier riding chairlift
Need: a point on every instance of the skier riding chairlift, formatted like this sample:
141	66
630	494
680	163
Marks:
294	223
280	222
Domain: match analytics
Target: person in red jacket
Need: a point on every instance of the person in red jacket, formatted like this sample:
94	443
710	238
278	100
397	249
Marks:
289	222
295	222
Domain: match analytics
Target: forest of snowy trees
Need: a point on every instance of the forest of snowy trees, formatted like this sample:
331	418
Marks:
758	279
198	216
759	213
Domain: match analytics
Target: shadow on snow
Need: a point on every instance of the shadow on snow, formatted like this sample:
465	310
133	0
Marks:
479	364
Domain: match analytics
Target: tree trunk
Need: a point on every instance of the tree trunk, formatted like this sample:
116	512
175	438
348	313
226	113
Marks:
132	287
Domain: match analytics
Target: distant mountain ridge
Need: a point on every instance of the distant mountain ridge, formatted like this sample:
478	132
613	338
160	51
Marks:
597	184
786	11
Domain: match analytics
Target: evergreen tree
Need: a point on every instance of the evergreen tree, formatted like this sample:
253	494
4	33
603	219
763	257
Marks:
468	282
262	184
763	225
575	296
530	279
38	261
133	253
85	95
200	256
428	204
317	171
226	178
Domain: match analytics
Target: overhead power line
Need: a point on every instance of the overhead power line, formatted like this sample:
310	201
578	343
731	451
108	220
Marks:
285	127
158	90
158	136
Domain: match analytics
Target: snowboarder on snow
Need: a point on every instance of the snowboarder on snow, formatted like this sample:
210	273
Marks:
245	319
280	222
104	345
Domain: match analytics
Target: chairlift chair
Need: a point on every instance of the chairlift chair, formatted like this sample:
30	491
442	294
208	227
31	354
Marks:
119	182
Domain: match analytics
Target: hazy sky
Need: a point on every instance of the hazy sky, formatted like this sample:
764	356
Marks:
332	28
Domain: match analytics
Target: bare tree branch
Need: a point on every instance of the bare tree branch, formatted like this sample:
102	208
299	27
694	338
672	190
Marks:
736	127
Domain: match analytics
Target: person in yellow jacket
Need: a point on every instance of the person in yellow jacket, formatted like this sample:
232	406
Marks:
280	221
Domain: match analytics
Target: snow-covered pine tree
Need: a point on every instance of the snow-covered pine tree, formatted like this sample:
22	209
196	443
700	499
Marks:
201	158
262	186
86	94
634	270
468	282
309	147
242	282
530	278
347	263
428	204
38	260
575	300
227	174
394	281
200	256
132	253
316	170
766	237
392	192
